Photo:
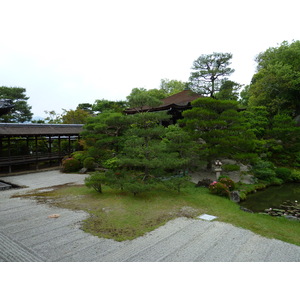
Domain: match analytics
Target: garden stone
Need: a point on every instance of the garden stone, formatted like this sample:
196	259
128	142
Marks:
83	171
289	217
235	196
246	209
204	182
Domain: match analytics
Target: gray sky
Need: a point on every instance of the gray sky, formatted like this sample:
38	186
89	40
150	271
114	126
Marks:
70	52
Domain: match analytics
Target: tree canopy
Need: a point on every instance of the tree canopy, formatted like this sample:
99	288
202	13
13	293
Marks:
209	70
140	98
16	97
276	84
171	87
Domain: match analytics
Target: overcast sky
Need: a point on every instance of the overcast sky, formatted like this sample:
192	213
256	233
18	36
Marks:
70	52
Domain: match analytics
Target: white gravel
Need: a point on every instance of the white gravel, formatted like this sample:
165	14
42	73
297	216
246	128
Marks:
27	234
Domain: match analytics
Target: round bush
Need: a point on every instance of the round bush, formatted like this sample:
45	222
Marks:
89	163
228	182
283	173
231	168
70	165
295	176
219	188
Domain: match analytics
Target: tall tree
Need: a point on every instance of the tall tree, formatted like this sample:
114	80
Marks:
276	84
220	128
16	97
150	154
209	70
102	135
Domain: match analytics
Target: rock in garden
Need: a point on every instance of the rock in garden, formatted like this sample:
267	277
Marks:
246	209
235	196
83	171
204	182
54	216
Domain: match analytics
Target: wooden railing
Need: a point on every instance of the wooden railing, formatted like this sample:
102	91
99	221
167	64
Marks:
27	159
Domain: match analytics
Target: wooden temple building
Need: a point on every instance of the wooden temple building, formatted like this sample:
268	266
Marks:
174	105
32	144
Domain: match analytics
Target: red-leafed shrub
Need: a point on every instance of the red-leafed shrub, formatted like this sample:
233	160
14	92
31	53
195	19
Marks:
219	188
70	165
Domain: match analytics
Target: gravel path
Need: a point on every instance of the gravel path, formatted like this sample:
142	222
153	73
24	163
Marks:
27	234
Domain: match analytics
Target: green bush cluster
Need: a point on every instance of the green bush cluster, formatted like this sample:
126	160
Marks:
295	176
228	182
89	163
264	170
231	168
283	173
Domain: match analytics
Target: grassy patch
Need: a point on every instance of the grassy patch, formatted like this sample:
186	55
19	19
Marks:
121	216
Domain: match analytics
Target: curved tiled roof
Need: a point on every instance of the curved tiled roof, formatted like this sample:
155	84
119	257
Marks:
179	100
17	129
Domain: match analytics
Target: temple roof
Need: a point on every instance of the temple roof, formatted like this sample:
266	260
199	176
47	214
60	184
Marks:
179	100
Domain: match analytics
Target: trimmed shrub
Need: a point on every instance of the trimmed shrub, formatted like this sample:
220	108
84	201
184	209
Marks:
95	181
295	176
70	165
89	163
283	173
264	170
80	155
276	181
228	182
231	168
219	188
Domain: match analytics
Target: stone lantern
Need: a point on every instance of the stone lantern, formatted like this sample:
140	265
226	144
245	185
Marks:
218	168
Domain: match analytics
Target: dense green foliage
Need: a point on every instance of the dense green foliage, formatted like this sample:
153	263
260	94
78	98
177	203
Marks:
171	87
276	84
139	153
221	128
21	111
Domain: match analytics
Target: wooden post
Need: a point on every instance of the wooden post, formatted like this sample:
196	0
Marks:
9	155
50	152
69	145
59	151
36	154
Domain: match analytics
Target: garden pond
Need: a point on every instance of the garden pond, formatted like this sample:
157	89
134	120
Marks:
276	201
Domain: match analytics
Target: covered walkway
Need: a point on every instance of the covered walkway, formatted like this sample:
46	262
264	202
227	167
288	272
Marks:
31	144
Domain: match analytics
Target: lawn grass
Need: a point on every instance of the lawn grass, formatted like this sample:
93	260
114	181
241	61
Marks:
121	216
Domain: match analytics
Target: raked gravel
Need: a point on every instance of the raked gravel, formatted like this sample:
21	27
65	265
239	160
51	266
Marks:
27	234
